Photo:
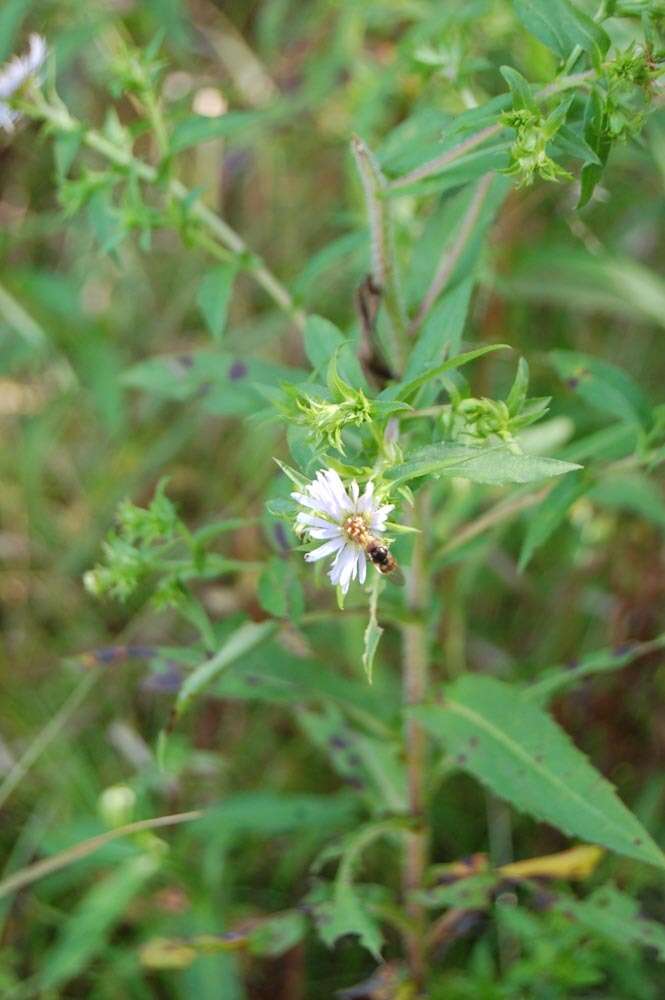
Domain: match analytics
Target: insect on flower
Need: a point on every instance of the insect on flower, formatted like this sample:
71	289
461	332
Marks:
15	74
348	524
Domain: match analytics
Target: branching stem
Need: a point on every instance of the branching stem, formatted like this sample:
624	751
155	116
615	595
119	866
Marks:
60	119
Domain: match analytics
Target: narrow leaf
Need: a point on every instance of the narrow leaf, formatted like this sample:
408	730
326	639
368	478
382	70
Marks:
603	385
201	128
493	465
214	296
244	639
86	929
520	89
373	632
407	390
549	515
561	26
280	591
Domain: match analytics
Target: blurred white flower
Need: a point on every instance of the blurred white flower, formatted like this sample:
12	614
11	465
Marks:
15	73
340	519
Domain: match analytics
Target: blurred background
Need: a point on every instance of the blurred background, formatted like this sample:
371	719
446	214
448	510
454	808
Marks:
77	436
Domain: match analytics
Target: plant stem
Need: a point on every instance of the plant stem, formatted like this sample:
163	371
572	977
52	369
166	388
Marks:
414	689
62	121
384	265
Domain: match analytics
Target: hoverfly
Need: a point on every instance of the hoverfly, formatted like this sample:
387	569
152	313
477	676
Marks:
377	551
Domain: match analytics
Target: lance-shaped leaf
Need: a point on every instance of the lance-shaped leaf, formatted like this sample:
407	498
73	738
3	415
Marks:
495	465
561	26
520	753
405	391
245	638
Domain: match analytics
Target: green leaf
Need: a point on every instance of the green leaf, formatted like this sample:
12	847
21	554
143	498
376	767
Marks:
200	128
65	147
279	590
492	156
371	766
549	515
373	632
272	674
597	139
632	491
494	465
561	26
519	752
243	640
572	278
615	916
520	90
557	679
278	934
603	385
518	391
220	382
407	390
214	296
347	914
470	893
443	327
86	929
299	481
11	16
570	141
271	814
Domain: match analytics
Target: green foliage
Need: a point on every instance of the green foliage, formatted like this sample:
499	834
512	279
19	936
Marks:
562	26
521	754
496	465
302	246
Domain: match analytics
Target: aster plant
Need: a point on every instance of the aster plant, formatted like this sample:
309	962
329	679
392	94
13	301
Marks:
380	435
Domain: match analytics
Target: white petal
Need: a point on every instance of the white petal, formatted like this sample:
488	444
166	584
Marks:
379	517
349	569
336	487
312	521
362	567
331	531
345	553
367	499
355	492
323	497
324	550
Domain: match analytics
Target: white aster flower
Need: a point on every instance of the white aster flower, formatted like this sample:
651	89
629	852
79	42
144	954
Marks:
341	520
15	73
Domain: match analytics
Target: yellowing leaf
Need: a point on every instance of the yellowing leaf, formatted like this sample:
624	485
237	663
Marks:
576	863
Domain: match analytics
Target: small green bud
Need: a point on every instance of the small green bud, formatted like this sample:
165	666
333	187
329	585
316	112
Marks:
116	805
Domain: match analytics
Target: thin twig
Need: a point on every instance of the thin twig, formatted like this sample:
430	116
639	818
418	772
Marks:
451	255
26	876
384	265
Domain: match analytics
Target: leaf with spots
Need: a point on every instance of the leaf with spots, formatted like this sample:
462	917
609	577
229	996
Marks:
522	755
